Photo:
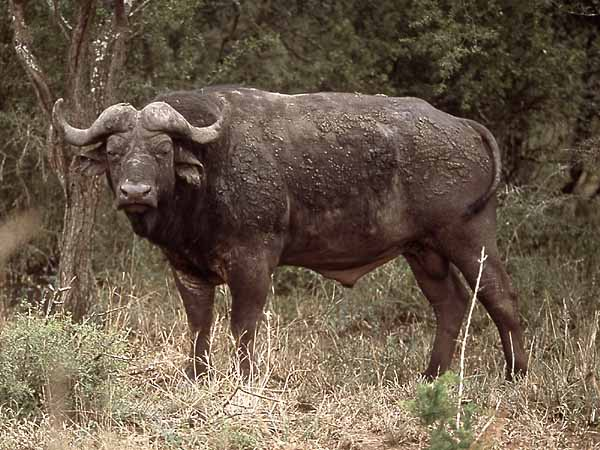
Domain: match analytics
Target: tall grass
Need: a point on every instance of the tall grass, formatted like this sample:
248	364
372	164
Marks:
337	367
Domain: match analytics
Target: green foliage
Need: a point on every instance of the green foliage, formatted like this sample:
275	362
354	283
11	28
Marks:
535	222
527	70
436	407
57	366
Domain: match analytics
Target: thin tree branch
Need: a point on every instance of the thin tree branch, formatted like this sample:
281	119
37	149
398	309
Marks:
78	53
463	347
139	7
19	166
236	19
582	14
119	51
57	157
293	52
22	43
583	11
60	21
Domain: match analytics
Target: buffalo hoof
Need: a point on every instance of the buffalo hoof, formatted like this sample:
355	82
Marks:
432	374
195	374
427	377
515	375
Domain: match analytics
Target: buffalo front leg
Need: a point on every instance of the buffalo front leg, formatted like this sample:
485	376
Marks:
249	283
440	283
198	299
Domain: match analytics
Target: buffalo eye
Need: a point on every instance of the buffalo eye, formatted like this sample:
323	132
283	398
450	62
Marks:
114	148
163	149
113	154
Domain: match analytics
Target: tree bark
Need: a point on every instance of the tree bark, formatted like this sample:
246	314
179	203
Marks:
22	43
82	87
76	244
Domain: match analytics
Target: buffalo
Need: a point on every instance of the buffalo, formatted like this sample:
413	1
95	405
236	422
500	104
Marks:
232	182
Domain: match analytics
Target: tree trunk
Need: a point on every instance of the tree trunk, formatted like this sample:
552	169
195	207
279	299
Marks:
76	245
77	285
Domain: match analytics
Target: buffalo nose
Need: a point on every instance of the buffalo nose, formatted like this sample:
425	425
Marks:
137	191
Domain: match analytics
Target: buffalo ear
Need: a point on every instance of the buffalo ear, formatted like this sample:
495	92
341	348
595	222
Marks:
93	162
188	167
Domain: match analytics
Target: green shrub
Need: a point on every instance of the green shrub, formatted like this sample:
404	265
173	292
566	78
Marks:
437	409
56	366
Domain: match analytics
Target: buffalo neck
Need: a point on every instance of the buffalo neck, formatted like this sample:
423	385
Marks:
179	223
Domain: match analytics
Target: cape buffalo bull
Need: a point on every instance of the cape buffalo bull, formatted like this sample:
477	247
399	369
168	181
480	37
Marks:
233	182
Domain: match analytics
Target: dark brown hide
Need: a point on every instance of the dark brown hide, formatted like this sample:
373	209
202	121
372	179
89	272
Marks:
338	183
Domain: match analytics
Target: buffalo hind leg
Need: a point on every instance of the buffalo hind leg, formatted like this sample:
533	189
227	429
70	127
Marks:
198	299
249	282
441	285
463	248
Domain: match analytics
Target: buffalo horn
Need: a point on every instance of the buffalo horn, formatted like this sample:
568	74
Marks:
160	116
113	119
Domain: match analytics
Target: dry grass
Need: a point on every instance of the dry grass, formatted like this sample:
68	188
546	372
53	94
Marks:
336	370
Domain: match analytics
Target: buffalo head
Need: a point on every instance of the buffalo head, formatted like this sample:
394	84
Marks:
142	153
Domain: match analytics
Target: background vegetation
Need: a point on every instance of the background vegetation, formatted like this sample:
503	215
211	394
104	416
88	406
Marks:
337	366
